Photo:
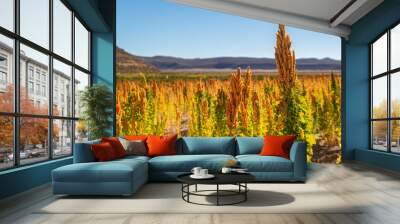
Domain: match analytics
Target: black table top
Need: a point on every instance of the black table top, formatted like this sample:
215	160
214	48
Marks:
220	178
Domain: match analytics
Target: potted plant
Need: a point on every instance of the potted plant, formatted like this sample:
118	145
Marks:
96	102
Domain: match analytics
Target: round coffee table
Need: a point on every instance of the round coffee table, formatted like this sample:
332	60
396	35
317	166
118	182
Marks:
238	179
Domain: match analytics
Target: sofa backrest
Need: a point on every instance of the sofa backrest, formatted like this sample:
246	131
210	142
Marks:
206	145
249	145
190	146
83	153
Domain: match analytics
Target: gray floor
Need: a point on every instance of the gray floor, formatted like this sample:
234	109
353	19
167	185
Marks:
379	189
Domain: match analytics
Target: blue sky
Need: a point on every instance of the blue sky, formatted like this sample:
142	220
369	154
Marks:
159	27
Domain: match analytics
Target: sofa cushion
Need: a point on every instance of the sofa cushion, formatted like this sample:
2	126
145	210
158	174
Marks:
112	171
257	163
207	145
249	145
133	157
185	163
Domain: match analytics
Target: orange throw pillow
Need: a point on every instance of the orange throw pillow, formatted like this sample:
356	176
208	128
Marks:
161	145
277	145
103	151
116	145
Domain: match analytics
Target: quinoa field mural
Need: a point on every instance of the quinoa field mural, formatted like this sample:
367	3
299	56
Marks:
239	102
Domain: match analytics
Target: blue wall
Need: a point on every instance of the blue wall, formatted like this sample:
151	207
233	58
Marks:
355	69
99	15
381	159
24	178
356	105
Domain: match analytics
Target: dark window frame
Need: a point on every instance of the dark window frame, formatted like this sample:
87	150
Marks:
388	74
16	114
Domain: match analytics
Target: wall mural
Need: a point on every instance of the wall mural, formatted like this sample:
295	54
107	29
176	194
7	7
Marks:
232	102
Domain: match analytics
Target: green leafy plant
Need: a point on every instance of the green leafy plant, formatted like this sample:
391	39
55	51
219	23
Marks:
97	104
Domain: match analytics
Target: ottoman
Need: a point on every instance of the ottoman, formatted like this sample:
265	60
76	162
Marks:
119	177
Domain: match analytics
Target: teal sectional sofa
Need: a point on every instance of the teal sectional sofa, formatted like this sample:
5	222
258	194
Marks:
125	176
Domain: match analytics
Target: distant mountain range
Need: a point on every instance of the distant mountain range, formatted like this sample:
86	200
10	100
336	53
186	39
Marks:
129	62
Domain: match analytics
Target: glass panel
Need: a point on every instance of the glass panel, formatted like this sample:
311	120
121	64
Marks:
395	47
62	29
62	138
6	74
81	131
62	89
395	138
81	82
33	140
379	135
379	97
34	97
7	14
379	55
35	21
81	45
6	142
395	94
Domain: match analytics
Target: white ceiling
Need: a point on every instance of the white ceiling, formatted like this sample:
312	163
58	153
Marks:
327	16
322	9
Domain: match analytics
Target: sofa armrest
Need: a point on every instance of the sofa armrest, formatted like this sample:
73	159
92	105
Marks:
298	155
83	152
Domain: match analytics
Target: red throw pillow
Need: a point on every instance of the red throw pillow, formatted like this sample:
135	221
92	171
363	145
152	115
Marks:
103	151
277	145
161	145
116	145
